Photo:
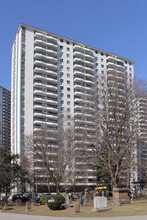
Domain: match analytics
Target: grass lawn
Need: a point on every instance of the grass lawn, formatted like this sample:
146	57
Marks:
138	208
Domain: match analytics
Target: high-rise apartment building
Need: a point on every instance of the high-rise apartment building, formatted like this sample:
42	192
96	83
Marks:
52	76
5	110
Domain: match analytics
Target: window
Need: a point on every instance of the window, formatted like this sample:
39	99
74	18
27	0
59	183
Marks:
68	109
96	52
61	73
61	67
130	69
68	42
61	87
96	64
61	40
68	82
62	101
68	116
68	75
61	80
68	123
61	94
68	102
68	68
62	108
68	55
61	47
102	66
68	62
68	49
68	89
102	59
61	60
102	54
68	96
126	62
129	63
61	53
97	70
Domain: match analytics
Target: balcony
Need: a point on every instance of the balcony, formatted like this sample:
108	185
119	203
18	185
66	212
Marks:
83	56
44	50
46	44
83	62
51	124
80	80
80	87
83	50
43	107
45	71
83	68
115	59
44	64
52	81
82	74
44	57
48	101
115	66
42	85
45	37
41	115
40	92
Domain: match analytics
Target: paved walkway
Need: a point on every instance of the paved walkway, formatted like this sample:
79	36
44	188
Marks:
8	216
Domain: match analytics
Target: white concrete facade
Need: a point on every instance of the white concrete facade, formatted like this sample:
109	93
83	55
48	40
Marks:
52	76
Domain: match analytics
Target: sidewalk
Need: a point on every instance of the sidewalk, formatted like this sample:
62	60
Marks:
8	216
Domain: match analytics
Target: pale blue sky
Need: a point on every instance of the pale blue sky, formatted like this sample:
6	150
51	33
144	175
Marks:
116	26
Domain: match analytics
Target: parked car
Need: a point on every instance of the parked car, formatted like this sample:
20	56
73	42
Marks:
18	197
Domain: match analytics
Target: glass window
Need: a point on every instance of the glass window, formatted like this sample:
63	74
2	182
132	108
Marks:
68	89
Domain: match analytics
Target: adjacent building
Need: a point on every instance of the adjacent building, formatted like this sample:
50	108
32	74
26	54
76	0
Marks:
5	112
55	76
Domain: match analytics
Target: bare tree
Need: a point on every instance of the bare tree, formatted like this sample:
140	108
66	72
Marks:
117	130
52	155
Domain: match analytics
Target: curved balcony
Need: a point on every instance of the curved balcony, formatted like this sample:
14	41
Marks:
42	85
77	100
52	124
83	62
81	74
84	122
83	49
48	101
83	56
44	71
114	59
80	114
45	37
44	64
44	50
83	68
44	57
114	65
84	128
40	92
41	107
43	43
80	80
80	87
52	81
41	115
